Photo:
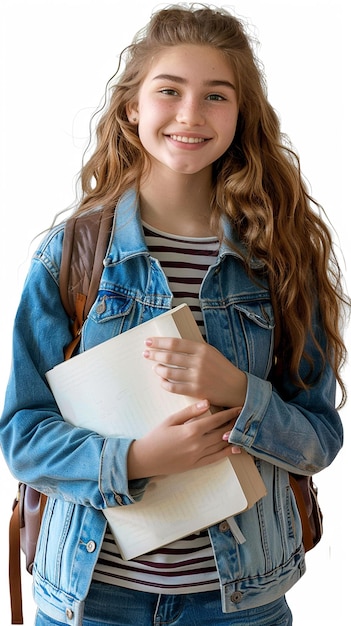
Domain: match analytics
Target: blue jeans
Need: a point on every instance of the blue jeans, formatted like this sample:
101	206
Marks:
107	605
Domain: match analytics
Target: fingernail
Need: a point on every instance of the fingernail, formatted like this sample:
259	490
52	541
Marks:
236	450
146	354
202	404
225	436
148	342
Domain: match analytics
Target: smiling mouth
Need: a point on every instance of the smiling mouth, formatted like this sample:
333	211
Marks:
187	139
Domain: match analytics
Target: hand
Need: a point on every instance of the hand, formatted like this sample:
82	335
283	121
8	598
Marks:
188	439
196	369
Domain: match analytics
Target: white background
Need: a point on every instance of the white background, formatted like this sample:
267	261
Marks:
56	57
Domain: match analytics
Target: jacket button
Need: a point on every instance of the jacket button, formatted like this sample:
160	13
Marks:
236	597
101	307
69	614
223	526
118	499
91	545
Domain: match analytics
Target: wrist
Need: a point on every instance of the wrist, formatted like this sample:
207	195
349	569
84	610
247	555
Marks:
238	390
138	462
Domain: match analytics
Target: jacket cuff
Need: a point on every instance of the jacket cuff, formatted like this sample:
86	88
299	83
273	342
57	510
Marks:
113	480
258	396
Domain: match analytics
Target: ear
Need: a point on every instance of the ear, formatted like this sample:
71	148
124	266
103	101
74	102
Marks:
132	113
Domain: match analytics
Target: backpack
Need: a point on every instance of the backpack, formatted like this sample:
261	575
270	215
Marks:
84	247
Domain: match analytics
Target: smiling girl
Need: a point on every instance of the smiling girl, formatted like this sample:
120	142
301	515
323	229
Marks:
209	209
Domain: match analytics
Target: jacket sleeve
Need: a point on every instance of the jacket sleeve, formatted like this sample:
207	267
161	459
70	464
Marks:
297	429
40	448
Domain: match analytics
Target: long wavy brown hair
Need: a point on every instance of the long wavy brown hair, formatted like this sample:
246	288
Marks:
257	183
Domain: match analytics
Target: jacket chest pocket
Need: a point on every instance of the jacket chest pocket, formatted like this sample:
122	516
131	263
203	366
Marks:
114	313
247	334
110	315
257	325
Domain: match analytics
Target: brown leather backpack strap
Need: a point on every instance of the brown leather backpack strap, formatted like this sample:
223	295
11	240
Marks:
15	565
83	251
77	326
104	234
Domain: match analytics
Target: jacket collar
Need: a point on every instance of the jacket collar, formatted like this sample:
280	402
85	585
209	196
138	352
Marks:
127	239
239	250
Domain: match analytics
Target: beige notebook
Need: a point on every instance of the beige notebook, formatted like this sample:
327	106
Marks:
112	389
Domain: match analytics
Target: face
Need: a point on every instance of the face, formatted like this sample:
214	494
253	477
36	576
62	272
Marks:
187	109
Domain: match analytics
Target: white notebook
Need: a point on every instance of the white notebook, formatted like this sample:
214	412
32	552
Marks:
112	389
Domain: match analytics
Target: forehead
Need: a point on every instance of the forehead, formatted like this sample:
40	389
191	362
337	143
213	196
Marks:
191	62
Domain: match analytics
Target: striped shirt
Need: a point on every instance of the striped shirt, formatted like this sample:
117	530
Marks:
187	565
185	261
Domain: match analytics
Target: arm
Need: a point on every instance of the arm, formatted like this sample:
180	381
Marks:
302	434
40	448
77	464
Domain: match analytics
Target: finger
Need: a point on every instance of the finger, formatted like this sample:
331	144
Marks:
190	413
171	344
235	449
173	373
216	447
170	358
213	457
209	421
217	422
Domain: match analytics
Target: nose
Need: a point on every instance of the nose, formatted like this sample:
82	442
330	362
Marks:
190	112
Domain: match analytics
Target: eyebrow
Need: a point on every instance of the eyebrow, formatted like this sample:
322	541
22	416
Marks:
183	81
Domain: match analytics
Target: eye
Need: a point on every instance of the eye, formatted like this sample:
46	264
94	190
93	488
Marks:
216	97
169	92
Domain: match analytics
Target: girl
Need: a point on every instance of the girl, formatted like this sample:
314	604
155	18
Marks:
210	209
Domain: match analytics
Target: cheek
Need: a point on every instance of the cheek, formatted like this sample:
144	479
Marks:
152	121
230	126
144	135
148	134
155	113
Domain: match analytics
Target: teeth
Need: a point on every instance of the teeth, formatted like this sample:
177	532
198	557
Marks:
187	139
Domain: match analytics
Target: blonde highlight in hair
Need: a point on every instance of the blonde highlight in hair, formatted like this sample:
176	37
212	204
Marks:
257	183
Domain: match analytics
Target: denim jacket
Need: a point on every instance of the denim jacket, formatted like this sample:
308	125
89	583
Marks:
83	472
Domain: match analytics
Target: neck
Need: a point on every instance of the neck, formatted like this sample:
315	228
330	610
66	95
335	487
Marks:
180	206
